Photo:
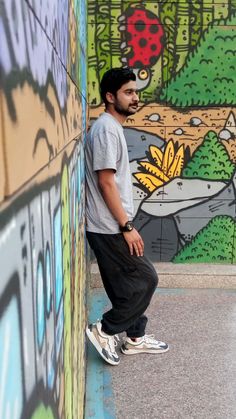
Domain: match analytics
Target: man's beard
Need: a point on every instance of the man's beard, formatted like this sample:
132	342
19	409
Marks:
125	112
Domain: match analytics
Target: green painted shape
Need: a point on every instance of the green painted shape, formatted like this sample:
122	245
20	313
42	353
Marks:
115	35
93	74
65	222
151	91
102	37
167	17
210	161
43	412
75	313
152	7
196	23
207	11
184	23
209	75
215	243
125	4
182	41
221	10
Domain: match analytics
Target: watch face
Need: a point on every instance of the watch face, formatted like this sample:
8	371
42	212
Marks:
129	226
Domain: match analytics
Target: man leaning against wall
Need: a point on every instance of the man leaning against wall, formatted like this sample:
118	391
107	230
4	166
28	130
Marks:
128	276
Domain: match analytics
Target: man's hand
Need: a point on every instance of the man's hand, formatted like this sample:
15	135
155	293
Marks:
135	242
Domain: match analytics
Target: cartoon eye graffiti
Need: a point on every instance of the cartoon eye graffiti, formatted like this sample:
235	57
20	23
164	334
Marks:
143	74
143	77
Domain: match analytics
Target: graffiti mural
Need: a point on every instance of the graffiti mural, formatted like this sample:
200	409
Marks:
43	116
181	142
37	319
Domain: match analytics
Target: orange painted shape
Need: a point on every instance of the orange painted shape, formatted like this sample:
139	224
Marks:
2	159
36	138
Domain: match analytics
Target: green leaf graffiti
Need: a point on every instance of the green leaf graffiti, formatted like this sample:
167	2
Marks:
209	74
214	243
210	161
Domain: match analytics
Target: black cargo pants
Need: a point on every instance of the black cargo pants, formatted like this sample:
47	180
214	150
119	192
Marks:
129	281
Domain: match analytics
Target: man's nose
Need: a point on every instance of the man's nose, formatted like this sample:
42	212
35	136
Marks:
136	96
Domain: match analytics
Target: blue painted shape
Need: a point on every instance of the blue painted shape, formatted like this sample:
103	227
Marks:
73	201
48	281
51	368
99	394
59	329
108	398
97	304
83	26
40	305
82	172
79	179
11	381
58	258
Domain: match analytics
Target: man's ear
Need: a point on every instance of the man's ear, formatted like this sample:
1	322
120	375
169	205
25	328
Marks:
110	97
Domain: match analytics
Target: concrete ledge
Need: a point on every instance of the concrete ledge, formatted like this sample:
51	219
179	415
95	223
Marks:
185	275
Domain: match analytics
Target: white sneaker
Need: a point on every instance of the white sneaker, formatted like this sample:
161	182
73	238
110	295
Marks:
105	344
145	344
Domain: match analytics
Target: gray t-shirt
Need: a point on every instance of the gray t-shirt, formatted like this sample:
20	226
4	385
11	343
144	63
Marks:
106	148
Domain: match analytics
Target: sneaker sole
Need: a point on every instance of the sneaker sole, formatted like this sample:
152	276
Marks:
95	343
143	351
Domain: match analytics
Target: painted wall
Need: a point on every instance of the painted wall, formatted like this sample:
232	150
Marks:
42	242
182	141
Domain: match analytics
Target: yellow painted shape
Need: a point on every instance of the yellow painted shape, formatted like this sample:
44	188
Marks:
3	174
156	154
168	156
65	219
177	165
154	170
150	182
20	144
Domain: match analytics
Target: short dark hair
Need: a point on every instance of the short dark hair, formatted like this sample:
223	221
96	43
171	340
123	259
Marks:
113	79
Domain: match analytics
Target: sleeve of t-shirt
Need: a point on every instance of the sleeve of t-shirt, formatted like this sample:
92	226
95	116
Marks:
105	151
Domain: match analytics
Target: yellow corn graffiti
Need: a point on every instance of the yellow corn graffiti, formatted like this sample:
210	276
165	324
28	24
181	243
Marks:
156	154
168	157
150	182
154	170
177	165
168	165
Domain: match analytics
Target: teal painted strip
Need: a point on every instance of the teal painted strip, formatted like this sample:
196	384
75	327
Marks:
98	301
109	407
99	394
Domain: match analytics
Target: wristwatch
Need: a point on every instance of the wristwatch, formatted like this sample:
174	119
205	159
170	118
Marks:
127	227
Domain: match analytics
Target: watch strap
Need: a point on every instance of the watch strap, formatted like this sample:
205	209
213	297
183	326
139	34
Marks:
129	226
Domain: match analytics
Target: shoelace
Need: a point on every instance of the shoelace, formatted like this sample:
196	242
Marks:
146	338
116	340
150	339
113	342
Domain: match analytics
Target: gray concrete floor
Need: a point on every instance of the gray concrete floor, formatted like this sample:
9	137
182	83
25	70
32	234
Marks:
196	379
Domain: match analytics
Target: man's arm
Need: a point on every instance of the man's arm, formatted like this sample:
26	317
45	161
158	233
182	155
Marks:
112	199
